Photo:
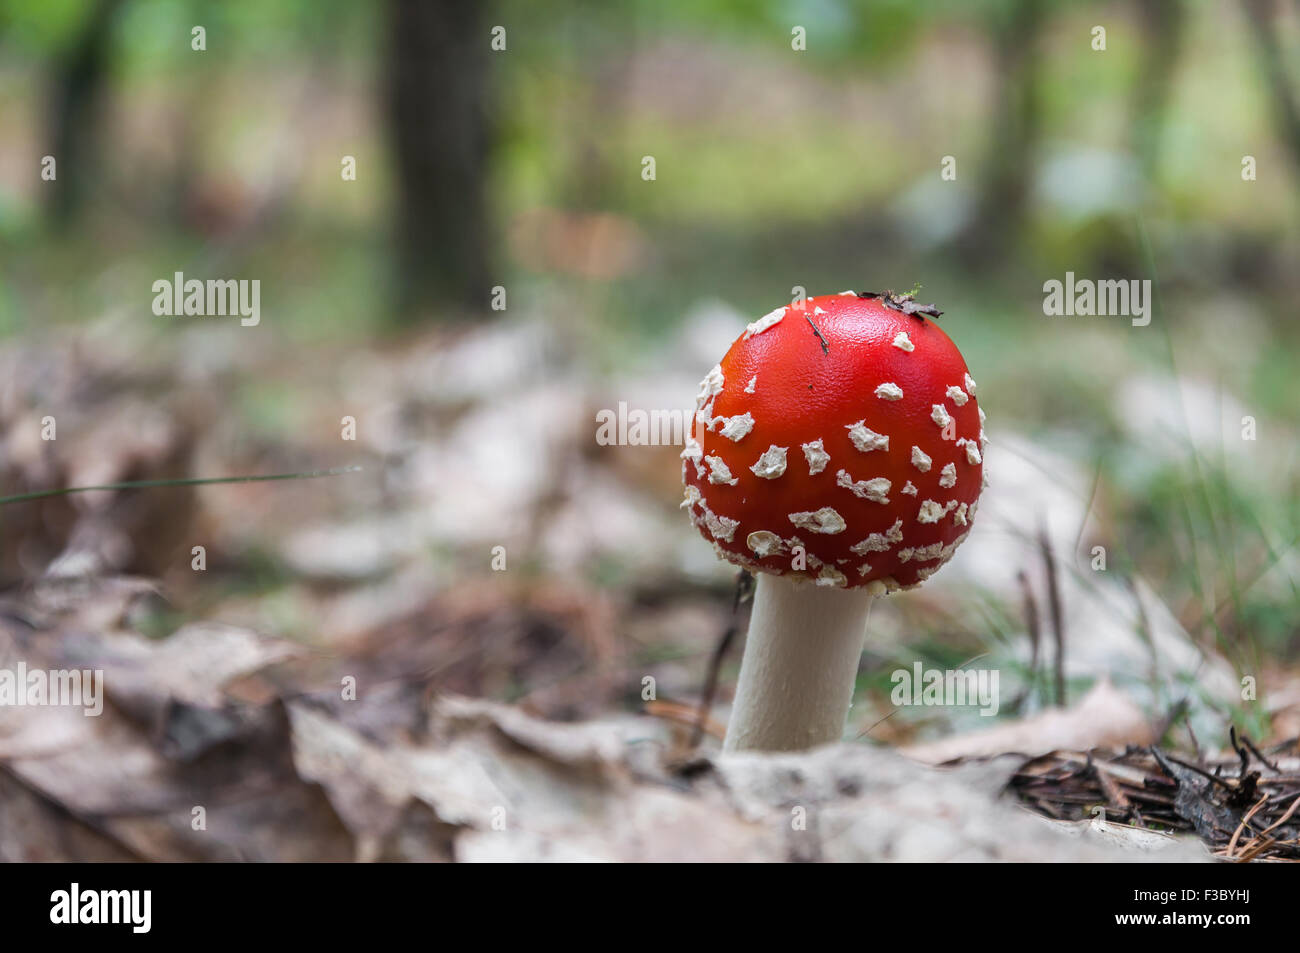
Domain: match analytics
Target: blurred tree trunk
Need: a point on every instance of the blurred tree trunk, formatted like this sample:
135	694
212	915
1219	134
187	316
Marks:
76	101
597	113
1013	133
437	90
1261	14
1163	24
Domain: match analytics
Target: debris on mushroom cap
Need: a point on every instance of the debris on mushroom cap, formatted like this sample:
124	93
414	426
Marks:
764	543
719	472
721	527
866	439
771	464
735	428
880	542
816	456
867	489
972	449
930	511
830	576
765	322
905	440
824	520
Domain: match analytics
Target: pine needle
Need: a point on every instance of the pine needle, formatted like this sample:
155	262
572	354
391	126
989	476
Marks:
195	481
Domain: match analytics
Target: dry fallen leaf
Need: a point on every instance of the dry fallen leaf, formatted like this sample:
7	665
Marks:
1104	717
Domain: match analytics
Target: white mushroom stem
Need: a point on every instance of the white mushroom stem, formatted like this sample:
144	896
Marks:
800	664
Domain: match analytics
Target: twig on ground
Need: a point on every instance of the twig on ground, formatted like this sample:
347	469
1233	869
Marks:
744	590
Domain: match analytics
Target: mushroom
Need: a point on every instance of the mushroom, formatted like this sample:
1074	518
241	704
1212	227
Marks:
856	474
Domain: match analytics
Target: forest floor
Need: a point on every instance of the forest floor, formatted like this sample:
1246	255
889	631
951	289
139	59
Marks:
444	654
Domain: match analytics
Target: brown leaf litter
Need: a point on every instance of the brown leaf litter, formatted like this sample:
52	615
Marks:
213	745
1243	808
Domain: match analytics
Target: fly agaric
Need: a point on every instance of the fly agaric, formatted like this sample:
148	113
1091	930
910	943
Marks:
837	453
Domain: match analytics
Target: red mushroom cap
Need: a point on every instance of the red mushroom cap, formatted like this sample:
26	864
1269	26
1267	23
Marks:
847	426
